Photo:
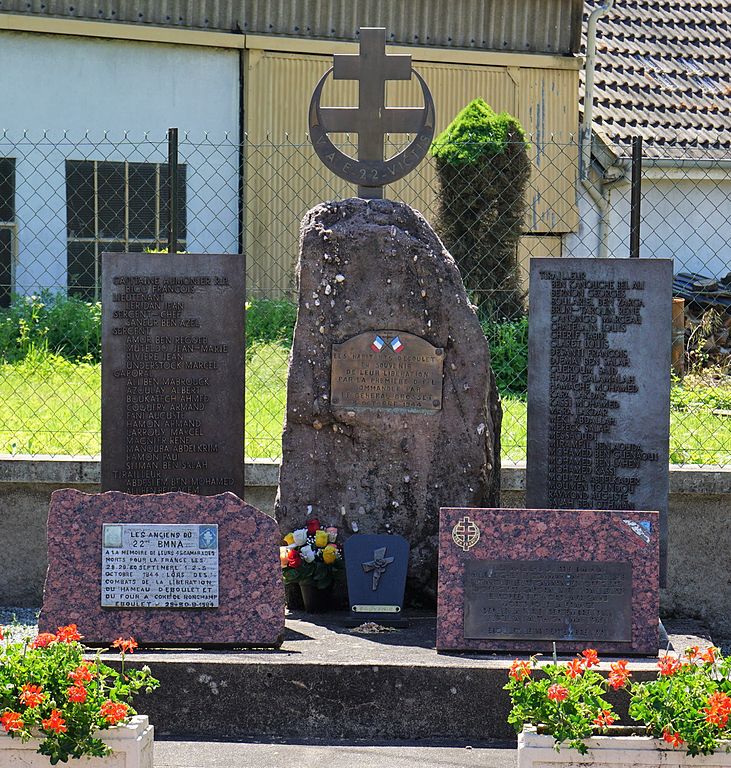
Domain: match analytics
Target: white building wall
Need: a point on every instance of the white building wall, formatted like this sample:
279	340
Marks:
75	98
686	216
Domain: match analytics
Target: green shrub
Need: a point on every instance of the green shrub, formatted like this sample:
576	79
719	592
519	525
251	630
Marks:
509	354
61	324
270	320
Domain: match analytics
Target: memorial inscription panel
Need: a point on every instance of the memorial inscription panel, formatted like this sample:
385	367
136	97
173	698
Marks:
548	600
172	373
387	369
159	566
599	385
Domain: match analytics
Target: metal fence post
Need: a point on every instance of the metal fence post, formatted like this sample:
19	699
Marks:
173	190
634	233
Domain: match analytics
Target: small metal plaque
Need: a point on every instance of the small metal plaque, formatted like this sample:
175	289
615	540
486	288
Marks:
376	609
159	566
387	369
548	600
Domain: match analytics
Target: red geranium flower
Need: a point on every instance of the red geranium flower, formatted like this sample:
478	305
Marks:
125	646
68	634
575	668
77	694
31	695
668	665
44	639
709	655
55	722
604	719
618	674
591	659
718	709
519	670
672	738
11	721
82	674
294	559
113	711
557	692
2	636
313	525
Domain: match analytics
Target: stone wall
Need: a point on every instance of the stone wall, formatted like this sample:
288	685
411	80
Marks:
699	584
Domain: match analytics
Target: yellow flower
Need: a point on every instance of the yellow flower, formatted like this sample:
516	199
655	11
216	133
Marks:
330	554
321	539
289	538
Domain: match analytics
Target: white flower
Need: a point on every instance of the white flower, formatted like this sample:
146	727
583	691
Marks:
308	554
300	536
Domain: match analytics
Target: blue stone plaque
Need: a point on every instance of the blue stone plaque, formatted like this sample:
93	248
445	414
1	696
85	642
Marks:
376	566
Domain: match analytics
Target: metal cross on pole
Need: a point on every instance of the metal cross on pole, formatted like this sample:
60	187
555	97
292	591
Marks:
372	67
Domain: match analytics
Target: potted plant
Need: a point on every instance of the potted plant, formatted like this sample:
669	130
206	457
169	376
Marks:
313	558
683	713
59	703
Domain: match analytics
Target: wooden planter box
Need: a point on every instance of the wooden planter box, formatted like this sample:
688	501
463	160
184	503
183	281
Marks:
131	744
536	751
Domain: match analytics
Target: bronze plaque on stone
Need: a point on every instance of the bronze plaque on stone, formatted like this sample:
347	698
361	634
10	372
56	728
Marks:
387	369
548	600
173	373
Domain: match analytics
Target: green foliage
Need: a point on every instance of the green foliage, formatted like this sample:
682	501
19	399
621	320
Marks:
270	320
508	342
62	325
477	131
483	170
47	688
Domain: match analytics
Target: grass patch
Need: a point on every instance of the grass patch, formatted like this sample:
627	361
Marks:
49	405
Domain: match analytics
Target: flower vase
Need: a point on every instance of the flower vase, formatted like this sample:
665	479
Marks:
316	600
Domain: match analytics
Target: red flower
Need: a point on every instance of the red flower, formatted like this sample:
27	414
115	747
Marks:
313	525
77	694
718	709
668	665
294	559
575	668
692	652
82	674
604	719
44	639
113	711
591	659
125	646
519	670
672	738
55	722
709	655
618	674
557	692
11	721
2	636
31	695
68	634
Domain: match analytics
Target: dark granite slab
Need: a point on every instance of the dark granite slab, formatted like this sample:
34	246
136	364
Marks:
250	589
538	605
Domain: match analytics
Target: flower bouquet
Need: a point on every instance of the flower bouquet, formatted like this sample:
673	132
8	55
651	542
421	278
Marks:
49	690
311	557
687	706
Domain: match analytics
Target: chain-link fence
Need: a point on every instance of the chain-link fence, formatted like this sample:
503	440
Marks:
65	199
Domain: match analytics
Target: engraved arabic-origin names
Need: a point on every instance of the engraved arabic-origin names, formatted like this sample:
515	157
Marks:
159	566
387	369
548	600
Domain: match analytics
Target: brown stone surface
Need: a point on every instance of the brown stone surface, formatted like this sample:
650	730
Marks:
251	594
367	266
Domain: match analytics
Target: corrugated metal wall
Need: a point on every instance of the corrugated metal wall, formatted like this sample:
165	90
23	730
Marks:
542	26
284	180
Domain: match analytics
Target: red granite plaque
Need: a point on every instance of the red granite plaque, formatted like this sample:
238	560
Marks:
224	589
519	579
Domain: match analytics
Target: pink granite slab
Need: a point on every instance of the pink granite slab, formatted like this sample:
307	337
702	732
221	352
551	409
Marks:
251	593
550	534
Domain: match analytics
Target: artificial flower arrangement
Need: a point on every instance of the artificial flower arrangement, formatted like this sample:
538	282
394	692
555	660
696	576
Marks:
312	555
49	690
688	705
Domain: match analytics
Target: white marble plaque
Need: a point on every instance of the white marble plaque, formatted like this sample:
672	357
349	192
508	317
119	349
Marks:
146	565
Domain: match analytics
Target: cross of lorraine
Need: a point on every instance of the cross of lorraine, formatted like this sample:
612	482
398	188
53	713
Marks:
371	120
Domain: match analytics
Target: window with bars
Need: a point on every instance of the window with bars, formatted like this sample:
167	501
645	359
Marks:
7	229
115	206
